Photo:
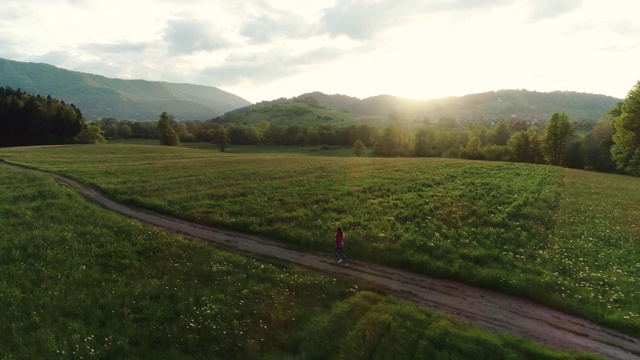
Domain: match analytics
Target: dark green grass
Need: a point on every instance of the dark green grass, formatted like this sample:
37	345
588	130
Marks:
498	225
80	282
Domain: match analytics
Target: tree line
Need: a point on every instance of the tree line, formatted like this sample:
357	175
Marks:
221	131
554	142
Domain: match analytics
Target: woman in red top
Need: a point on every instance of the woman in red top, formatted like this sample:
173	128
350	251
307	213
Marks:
339	249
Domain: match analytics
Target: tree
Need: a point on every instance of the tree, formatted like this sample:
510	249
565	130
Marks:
501	133
311	101
496	153
111	131
423	140
91	135
181	130
264	128
558	131
166	133
473	150
124	131
598	144
625	151
220	136
313	136
359	148
395	141
575	154
525	146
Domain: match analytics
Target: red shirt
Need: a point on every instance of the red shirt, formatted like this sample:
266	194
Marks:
339	239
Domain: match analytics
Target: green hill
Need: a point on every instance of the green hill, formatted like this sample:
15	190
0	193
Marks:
297	112
488	106
99	96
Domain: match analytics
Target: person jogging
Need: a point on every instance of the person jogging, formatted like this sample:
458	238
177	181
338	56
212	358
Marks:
339	249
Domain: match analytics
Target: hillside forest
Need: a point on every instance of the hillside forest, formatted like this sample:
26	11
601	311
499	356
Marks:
611	144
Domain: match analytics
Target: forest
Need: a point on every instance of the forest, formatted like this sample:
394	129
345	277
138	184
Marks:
34	120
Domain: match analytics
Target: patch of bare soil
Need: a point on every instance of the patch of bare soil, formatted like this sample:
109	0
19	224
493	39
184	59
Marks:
484	308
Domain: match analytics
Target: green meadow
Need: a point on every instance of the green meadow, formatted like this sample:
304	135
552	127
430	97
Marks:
562	237
81	282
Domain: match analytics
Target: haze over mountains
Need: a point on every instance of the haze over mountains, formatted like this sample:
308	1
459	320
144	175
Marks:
100	97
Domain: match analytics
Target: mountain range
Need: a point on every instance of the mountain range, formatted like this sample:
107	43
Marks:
100	97
502	104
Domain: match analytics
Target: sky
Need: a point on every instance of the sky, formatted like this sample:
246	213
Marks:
268	49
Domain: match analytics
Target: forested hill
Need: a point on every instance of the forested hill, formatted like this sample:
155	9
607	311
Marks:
520	104
99	96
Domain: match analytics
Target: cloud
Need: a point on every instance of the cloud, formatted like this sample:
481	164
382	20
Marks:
116	48
625	28
320	55
186	36
362	20
547	9
233	73
11	12
268	27
266	24
268	67
8	48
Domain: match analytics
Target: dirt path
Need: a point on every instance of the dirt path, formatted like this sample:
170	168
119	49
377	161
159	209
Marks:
487	309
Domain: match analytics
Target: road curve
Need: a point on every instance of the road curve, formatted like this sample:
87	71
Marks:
487	309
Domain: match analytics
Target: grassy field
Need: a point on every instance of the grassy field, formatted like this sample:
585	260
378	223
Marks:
562	237
319	150
81	282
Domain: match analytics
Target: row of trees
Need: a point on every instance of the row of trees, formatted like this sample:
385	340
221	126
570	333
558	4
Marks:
264	133
555	143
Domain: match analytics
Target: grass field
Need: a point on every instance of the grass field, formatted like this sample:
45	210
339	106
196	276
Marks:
562	237
319	150
80	282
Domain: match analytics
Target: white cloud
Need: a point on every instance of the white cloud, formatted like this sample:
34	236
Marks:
116	48
545	9
186	36
273	25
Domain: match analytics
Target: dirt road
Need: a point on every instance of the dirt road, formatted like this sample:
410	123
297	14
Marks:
487	309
